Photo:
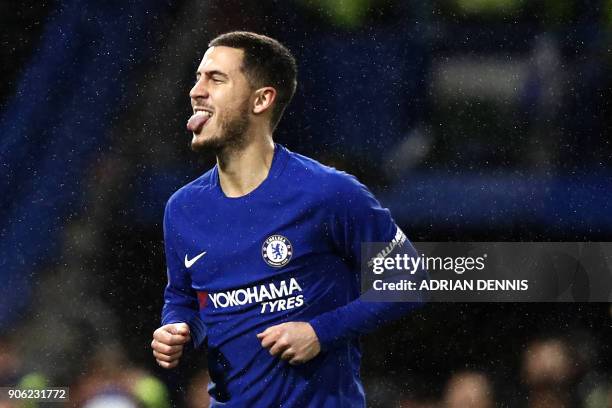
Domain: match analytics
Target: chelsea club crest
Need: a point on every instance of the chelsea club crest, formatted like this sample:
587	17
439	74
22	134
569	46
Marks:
277	251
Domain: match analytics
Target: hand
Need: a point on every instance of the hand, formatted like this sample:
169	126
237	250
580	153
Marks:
168	342
295	342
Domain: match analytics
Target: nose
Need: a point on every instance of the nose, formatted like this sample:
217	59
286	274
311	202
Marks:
199	89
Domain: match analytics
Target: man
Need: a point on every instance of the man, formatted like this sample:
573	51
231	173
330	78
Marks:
468	389
263	250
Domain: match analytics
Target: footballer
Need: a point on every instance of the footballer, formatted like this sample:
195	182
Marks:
263	250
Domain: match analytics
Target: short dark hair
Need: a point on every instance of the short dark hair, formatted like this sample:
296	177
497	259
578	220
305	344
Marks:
266	62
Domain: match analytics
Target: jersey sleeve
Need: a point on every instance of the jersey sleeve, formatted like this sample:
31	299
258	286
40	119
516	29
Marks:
358	218
180	299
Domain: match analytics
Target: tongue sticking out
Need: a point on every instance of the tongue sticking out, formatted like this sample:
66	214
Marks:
197	121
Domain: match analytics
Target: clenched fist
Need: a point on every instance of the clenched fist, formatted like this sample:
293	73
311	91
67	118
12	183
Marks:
295	342
168	342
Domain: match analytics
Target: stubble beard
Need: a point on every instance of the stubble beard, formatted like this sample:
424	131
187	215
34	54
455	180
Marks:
232	137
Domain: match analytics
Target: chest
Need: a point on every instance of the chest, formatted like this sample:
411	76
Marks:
253	243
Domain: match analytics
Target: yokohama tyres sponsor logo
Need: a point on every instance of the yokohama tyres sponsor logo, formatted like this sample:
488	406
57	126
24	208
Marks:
273	297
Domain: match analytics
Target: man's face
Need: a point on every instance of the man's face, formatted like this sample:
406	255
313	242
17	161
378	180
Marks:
221	95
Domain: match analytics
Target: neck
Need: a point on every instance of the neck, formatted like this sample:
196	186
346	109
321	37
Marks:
243	169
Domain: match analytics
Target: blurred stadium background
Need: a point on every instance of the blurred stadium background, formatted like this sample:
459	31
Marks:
473	120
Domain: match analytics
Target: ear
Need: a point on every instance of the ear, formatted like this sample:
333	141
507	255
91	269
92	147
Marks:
264	98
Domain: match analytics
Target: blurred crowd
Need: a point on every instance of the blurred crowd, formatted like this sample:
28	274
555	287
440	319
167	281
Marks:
551	374
554	373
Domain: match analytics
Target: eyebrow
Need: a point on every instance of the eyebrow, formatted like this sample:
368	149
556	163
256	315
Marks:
212	73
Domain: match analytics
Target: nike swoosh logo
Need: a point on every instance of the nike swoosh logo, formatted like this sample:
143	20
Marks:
189	262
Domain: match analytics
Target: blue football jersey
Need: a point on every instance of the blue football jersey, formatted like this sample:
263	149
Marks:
287	251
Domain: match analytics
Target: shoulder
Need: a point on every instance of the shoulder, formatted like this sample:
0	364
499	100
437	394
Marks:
323	180
195	189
